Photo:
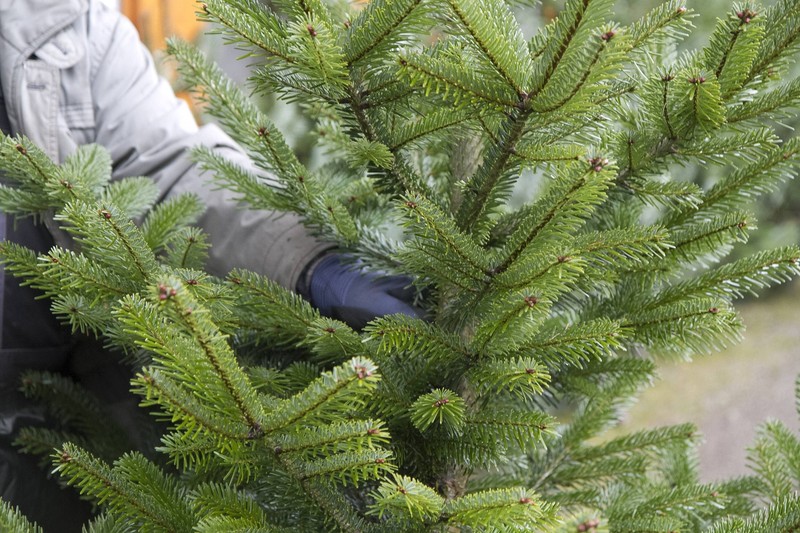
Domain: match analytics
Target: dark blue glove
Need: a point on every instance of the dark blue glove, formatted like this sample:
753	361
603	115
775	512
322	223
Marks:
342	290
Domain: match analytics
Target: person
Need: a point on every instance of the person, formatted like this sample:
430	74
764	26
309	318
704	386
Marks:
74	72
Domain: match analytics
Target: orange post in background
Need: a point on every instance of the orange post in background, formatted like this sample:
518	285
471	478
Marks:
158	19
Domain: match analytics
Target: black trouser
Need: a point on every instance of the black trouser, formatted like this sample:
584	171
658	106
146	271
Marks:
23	482
33	339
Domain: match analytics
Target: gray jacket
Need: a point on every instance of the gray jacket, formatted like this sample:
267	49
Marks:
75	72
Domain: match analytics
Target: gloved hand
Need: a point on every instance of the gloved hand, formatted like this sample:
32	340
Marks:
342	290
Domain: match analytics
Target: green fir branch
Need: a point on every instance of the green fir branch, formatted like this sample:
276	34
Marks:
21	203
197	323
797	395
599	472
88	170
759	177
337	511
110	486
590	75
344	387
258	192
649	442
739	278
623	248
248	23
565	40
404	497
775	104
670	19
577	343
227	524
332	341
748	145
12	519
168	217
781	40
775	458
358	152
23	263
223	501
193	450
439	248
264	305
733	48
510	319
165	491
409	134
534	155
691	242
350	468
679	195
29	168
587	379
782	515
441	406
81	274
304	8
524	377
560	212
676	504
195	351
41	441
339	437
395	334
383	25
234	111
549	271
457	83
613	383
692	325
703	102
524	428
106	523
322	61
500	509
186	248
75	408
137	195
597	410
184	410
105	231
83	314
492	183
496	33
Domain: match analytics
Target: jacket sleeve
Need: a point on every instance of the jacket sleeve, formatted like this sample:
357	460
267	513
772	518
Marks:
149	132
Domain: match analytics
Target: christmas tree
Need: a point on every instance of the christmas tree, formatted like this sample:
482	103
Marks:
532	187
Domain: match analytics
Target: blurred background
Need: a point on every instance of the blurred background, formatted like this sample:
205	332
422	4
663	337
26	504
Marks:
727	394
158	19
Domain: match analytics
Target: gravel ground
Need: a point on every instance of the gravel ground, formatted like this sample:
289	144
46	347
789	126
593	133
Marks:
729	394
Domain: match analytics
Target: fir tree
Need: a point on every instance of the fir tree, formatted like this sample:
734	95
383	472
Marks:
433	112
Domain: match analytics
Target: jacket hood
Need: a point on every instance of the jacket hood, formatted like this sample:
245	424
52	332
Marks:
26	24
